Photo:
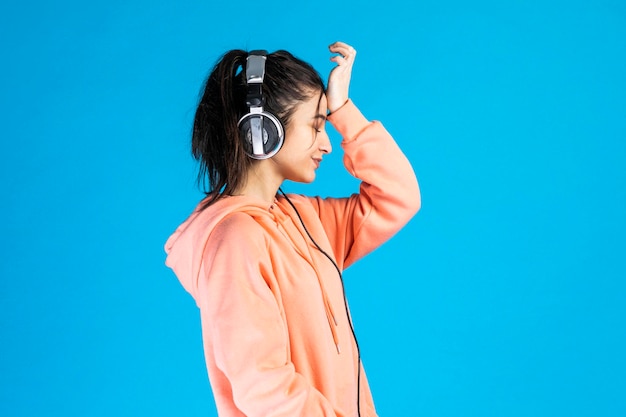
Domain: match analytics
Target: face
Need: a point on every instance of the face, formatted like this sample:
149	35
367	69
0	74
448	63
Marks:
306	141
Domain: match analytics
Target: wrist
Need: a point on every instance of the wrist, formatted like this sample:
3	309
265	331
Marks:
336	106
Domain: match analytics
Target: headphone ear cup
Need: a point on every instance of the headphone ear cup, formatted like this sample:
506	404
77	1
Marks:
262	135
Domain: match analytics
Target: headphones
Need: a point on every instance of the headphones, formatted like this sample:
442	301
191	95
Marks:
261	132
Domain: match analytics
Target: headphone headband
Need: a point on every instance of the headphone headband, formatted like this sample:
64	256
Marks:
255	74
255	66
261	132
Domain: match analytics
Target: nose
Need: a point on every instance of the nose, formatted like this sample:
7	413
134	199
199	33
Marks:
324	142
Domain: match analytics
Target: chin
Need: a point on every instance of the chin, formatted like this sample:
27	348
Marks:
305	179
311	178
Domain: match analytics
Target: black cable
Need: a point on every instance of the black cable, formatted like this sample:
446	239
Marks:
345	300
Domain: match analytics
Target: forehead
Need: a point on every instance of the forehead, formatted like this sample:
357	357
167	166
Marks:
313	106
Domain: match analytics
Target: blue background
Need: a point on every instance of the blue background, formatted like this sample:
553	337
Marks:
504	296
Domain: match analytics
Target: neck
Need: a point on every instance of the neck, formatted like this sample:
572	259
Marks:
261	182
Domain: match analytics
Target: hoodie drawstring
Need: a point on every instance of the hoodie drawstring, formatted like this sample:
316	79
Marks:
330	315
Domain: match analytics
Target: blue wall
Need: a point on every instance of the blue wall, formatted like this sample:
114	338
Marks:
504	296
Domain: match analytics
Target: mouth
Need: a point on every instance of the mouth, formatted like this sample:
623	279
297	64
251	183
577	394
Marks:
317	161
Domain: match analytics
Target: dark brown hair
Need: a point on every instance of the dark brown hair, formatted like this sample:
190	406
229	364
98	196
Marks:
215	140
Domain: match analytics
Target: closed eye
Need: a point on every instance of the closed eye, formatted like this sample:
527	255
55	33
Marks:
319	122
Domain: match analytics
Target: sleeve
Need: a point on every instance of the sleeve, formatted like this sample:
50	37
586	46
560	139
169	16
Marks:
243	327
389	194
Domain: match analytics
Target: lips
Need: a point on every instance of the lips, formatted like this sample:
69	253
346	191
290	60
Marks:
317	161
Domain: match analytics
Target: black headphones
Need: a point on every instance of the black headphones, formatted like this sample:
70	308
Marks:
261	132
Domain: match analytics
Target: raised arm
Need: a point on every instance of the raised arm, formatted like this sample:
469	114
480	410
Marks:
388	195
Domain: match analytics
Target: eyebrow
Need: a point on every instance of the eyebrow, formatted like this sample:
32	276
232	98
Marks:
320	116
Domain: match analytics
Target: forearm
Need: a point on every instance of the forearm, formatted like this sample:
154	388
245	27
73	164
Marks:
389	194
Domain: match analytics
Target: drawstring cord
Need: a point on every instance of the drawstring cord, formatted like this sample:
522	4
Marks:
330	314
345	301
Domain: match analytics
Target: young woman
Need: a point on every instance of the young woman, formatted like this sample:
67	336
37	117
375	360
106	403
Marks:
265	268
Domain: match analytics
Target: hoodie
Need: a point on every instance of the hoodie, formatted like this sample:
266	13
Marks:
277	333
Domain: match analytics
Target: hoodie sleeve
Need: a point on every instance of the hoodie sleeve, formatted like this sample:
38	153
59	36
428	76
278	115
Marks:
243	326
388	196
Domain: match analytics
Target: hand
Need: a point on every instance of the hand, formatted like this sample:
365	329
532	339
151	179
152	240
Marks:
339	78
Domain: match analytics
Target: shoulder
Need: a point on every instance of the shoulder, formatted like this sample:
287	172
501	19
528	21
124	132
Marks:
318	206
238	227
300	201
236	239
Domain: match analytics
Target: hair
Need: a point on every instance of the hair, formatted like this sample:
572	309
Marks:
215	141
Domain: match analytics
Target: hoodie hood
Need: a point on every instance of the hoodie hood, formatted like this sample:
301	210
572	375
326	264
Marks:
186	246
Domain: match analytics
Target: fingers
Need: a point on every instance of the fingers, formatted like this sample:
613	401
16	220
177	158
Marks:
339	78
341	47
345	52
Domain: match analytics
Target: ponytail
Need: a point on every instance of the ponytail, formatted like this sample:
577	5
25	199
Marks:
215	138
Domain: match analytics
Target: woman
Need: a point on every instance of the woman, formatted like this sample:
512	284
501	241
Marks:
265	268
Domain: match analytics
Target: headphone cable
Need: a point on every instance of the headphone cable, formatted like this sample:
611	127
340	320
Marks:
345	300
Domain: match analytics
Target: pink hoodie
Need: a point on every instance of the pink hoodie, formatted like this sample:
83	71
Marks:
276	328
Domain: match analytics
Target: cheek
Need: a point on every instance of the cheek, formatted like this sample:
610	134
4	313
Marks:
300	140
308	136
311	141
